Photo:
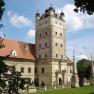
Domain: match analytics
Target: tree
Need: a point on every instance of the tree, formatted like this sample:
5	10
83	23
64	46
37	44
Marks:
84	69
84	6
15	81
2	8
3	70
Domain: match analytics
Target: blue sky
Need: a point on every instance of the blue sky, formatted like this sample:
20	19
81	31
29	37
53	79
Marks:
19	22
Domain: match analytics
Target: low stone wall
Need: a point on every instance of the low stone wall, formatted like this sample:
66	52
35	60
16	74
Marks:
39	89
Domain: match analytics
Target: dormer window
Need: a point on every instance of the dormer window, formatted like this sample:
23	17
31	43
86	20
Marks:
14	53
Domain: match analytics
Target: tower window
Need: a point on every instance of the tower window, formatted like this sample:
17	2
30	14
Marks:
71	71
60	34
60	24
46	44
61	45
45	22
56	44
29	70
42	70
39	56
45	55
39	24
55	33
56	55
45	33
40	35
61	56
22	70
55	22
39	45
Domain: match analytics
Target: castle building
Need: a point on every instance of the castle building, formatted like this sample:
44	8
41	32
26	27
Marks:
45	62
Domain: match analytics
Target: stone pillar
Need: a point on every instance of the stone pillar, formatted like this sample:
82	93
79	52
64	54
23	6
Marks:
56	75
92	72
75	78
63	76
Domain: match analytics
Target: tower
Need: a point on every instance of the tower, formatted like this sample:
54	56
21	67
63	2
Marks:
50	45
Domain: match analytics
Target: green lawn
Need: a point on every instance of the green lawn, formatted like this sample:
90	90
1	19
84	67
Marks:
82	90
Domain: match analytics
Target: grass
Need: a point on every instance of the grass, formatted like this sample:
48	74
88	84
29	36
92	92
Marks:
81	90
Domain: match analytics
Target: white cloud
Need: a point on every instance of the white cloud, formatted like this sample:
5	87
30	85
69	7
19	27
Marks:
76	21
82	56
31	34
18	21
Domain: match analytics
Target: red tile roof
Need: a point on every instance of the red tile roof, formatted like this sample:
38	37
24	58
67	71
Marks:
22	49
69	62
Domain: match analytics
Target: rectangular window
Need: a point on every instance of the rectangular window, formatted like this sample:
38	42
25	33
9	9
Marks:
60	34
39	56
40	35
39	24
71	71
42	70
55	22
39	46
46	44
61	45
56	55
35	70
29	70
45	33
45	55
22	69
45	22
55	33
61	56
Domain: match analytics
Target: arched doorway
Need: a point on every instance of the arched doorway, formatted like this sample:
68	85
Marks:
60	81
36	82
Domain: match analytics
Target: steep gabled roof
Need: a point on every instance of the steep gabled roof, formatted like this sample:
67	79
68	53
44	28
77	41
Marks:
23	50
69	62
